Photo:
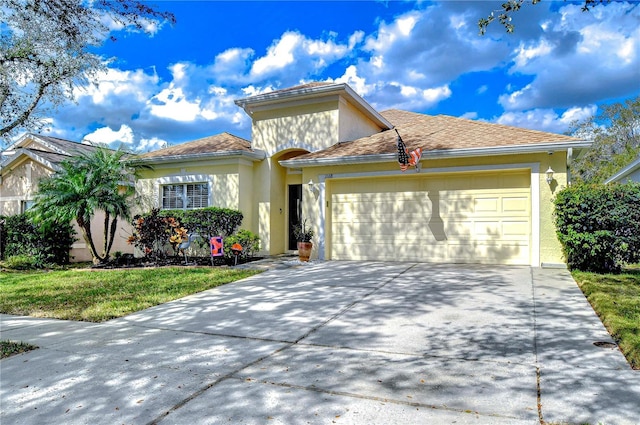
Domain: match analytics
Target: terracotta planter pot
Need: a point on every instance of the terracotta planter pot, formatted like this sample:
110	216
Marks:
304	250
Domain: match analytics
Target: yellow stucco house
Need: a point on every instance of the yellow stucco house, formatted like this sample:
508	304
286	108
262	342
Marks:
482	193
33	157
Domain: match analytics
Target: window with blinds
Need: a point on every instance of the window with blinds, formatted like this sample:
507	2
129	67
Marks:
185	196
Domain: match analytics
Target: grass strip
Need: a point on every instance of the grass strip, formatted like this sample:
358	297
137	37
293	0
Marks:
11	348
616	299
100	295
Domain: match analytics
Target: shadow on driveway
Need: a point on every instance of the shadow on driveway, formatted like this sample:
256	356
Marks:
332	342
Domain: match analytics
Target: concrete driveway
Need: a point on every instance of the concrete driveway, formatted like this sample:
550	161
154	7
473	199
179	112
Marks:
333	342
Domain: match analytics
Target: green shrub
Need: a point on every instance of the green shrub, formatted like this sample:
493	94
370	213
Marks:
599	226
249	241
152	232
207	222
23	262
49	242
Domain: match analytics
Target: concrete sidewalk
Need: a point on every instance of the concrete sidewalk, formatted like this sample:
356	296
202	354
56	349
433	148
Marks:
333	342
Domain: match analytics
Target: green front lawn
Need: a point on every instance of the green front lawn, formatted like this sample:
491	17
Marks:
99	295
616	299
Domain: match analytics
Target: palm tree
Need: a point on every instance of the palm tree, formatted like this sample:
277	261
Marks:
84	186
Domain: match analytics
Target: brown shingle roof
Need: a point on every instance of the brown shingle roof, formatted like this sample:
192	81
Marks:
53	157
223	142
439	132
71	148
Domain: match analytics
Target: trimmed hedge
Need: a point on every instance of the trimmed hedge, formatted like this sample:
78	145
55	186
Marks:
599	226
46	243
211	221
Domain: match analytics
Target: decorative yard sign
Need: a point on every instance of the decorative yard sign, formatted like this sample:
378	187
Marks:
217	249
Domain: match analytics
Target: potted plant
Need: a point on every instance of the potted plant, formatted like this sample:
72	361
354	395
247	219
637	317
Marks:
303	235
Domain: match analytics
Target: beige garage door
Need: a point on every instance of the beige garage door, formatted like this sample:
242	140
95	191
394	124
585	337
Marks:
468	218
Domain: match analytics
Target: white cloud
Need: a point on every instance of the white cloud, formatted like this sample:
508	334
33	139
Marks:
525	53
414	59
547	119
116	83
436	94
152	144
107	136
390	34
171	103
231	65
578	114
278	56
294	50
355	39
356	82
582	57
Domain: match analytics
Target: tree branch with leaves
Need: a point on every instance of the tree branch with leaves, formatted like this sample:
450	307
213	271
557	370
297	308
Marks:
46	52
504	14
616	141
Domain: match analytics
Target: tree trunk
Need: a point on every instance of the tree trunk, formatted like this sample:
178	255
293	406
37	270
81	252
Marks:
88	238
112	234
105	236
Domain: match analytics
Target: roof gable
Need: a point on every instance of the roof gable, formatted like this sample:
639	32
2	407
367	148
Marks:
53	144
308	93
48	151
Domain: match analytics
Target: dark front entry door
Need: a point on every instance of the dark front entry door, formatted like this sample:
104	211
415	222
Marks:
295	212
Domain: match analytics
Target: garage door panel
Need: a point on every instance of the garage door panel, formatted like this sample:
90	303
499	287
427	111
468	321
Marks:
387	237
378	210
487	229
515	204
515	230
458	229
471	218
486	205
473	252
379	217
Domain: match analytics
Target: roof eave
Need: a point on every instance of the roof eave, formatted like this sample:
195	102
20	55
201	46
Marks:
256	155
28	153
624	172
438	153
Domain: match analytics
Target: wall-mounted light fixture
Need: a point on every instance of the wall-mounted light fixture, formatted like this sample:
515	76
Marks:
549	173
313	188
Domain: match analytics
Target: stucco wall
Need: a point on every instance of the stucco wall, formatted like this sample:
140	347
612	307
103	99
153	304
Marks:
224	181
353	124
80	250
20	184
310	127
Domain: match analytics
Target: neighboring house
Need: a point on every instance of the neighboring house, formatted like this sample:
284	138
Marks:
630	173
33	157
321	153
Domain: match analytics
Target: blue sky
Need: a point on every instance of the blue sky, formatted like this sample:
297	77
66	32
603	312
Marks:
179	84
